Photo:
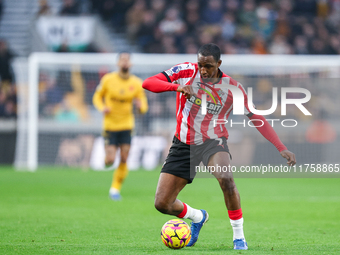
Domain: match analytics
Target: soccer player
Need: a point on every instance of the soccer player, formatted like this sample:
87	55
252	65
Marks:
114	97
198	139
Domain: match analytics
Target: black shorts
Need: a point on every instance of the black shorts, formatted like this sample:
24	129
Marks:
183	158
117	138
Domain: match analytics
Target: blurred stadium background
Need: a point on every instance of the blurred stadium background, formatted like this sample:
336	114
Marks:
265	44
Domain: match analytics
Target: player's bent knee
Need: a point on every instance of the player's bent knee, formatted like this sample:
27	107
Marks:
223	175
162	206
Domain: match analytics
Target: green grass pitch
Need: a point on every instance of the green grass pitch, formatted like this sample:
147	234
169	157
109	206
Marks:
63	211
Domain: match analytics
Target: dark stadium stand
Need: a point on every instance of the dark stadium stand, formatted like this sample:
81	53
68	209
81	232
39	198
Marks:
238	26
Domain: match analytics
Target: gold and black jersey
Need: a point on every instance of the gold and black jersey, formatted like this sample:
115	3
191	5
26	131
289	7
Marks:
118	94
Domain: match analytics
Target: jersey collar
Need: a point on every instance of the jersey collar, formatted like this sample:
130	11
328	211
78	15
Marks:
220	75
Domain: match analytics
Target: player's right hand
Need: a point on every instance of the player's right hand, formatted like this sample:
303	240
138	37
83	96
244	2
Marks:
290	156
106	110
187	91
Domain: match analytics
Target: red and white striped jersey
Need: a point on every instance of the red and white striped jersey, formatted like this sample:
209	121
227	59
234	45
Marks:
193	127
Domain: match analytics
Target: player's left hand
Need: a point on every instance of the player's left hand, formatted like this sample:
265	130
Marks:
138	103
290	156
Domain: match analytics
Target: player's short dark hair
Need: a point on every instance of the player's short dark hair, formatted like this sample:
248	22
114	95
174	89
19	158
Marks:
210	49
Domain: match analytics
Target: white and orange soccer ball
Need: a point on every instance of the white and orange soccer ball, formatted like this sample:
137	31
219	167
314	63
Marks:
176	234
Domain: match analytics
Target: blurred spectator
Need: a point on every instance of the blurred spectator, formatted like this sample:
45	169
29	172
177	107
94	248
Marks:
259	46
6	72
279	45
172	23
322	8
334	17
10	110
1	9
134	18
53	93
213	13
205	37
318	47
265	20
300	45
114	11
282	24
44	8
320	131
308	31
158	7
8	101
2	103
70	7
247	15
285	6
168	42
66	113
63	82
191	48
232	6
334	44
145	34
305	7
49	95
192	16
106	8
228	26
229	48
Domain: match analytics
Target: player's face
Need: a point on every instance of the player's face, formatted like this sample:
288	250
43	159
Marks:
208	67
124	62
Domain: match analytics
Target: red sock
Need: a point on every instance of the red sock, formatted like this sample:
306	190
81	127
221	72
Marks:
235	214
184	212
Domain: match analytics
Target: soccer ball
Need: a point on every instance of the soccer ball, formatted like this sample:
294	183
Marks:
175	234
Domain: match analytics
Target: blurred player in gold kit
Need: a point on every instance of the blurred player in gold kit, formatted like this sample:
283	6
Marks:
114	97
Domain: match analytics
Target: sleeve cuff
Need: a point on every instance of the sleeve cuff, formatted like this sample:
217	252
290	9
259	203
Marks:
167	76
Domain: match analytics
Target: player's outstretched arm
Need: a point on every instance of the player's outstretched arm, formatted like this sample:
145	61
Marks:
159	83
269	133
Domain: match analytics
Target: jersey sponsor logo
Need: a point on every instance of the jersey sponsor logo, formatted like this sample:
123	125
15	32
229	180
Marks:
115	99
212	108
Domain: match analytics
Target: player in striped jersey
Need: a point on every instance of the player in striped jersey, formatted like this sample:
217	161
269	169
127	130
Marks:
200	137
